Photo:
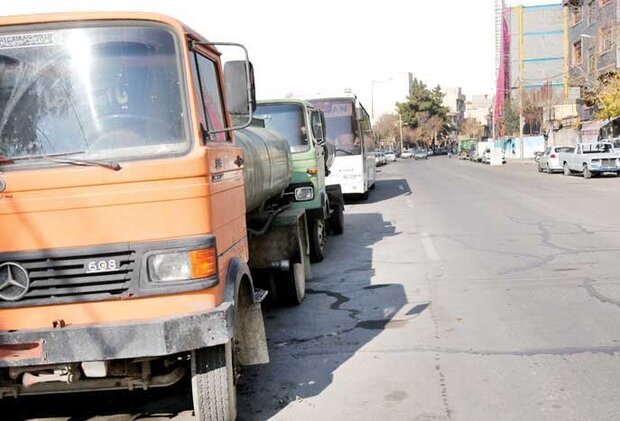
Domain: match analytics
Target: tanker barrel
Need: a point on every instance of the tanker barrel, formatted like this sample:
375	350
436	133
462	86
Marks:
268	165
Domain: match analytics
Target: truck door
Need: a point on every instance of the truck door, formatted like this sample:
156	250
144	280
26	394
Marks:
224	160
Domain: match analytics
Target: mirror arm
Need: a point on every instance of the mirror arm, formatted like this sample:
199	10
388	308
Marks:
248	86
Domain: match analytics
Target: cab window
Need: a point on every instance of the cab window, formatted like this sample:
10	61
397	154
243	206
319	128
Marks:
207	82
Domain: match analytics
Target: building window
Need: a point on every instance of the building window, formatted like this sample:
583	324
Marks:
590	13
577	53
606	39
576	15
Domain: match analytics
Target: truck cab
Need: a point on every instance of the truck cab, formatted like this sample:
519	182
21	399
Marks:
123	239
302	125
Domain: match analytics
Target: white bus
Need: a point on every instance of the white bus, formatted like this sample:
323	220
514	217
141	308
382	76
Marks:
349	130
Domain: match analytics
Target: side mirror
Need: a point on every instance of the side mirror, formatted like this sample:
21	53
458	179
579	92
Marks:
240	89
359	115
316	120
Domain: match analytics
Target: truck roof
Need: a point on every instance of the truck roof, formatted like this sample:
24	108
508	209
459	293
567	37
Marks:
328	95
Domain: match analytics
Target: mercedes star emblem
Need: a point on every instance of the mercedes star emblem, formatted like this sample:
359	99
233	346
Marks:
14	281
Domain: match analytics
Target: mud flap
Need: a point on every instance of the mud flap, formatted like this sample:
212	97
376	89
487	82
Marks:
252	335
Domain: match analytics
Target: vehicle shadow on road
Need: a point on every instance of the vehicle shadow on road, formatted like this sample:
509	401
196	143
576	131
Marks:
343	312
384	190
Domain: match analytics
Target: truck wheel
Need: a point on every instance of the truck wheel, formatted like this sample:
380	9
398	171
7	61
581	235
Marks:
213	383
587	174
336	221
539	168
567	170
318	239
291	285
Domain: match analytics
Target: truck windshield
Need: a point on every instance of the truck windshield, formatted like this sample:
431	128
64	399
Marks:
288	120
98	92
340	122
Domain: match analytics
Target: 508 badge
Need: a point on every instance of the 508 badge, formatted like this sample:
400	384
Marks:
102	266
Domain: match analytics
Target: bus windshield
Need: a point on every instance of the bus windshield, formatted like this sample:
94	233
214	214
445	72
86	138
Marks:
340	122
99	92
288	120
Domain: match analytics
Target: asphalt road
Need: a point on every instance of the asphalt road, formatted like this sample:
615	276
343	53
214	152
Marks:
458	292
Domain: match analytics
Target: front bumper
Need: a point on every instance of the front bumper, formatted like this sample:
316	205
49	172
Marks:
604	169
150	338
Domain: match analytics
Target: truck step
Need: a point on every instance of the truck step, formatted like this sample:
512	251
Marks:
259	295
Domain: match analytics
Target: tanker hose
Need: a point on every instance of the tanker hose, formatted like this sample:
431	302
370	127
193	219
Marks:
267	224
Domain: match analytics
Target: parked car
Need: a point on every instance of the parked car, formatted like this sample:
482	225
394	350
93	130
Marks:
421	154
390	156
380	158
591	159
407	153
550	159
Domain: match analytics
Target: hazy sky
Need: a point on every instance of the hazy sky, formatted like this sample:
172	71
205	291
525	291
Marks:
327	45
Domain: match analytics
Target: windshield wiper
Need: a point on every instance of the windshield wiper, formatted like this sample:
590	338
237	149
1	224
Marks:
60	158
113	165
345	151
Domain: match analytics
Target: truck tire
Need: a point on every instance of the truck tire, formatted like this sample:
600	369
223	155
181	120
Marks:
213	383
539	167
290	286
318	239
336	221
587	174
567	170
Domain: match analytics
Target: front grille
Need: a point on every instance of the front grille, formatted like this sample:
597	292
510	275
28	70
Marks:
608	162
59	277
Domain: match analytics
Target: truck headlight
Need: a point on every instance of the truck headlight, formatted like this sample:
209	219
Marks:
596	162
303	194
183	265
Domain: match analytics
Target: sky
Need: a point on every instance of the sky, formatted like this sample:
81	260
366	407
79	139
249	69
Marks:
305	47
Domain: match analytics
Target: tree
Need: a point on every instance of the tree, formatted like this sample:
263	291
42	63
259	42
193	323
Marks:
423	112
472	128
511	120
607	96
386	127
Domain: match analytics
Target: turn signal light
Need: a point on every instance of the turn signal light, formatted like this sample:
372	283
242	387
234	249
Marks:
203	263
312	171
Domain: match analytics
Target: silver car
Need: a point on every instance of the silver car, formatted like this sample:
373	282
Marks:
549	161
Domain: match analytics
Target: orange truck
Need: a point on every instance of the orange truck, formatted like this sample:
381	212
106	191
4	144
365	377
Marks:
135	207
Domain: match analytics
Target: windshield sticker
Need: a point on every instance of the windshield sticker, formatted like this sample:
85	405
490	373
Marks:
39	39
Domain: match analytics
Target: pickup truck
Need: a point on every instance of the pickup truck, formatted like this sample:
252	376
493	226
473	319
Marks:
591	159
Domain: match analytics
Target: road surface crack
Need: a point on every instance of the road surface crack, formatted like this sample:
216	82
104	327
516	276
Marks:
588	284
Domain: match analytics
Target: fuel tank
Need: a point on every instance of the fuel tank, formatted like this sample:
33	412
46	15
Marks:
268	165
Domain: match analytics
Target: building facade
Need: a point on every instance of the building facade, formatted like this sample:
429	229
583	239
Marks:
454	100
592	37
479	108
385	93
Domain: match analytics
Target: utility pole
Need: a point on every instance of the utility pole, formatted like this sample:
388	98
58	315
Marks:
400	125
521	120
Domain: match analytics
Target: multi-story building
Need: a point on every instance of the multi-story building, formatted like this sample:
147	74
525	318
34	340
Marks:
385	93
478	107
593	49
454	100
533	60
